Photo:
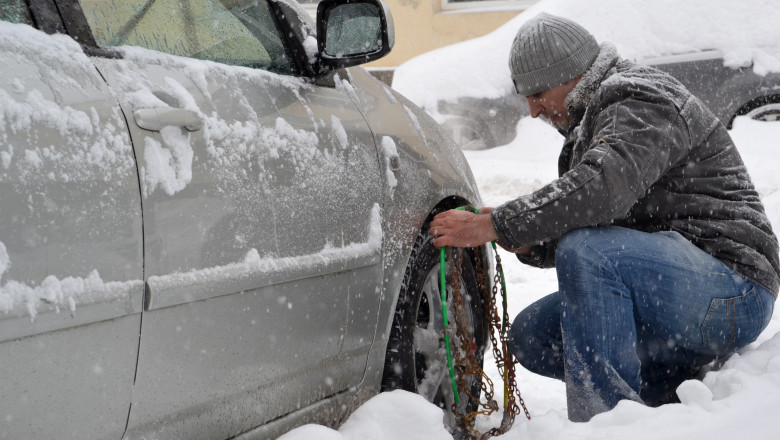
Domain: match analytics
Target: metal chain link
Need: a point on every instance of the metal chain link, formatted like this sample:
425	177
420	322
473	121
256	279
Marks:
465	358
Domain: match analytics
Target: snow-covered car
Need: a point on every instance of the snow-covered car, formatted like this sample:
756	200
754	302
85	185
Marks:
723	54
208	219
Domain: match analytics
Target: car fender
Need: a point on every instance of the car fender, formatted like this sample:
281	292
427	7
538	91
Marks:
426	172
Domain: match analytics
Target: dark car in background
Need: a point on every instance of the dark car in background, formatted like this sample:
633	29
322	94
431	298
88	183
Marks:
479	123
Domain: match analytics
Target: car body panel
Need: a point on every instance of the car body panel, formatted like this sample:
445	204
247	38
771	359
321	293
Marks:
71	242
281	232
432	174
257	245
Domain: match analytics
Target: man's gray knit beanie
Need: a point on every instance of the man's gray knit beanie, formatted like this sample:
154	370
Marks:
549	51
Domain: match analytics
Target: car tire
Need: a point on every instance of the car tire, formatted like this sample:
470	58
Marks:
767	112
416	357
470	134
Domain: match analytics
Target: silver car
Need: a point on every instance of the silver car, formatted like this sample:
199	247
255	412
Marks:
211	226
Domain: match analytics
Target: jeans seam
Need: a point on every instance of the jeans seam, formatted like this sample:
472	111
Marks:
731	303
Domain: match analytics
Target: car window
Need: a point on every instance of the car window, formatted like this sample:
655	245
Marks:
235	32
15	11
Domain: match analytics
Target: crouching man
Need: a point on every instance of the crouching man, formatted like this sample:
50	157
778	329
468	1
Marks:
665	258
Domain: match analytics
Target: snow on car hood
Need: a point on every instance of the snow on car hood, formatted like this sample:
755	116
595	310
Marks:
744	32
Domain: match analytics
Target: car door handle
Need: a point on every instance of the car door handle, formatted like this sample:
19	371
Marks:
155	119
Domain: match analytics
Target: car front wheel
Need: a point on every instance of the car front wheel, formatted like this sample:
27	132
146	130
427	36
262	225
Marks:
416	356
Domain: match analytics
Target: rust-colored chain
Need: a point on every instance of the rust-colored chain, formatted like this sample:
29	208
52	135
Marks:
509	364
465	353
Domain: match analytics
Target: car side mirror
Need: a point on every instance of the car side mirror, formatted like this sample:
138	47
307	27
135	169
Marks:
353	32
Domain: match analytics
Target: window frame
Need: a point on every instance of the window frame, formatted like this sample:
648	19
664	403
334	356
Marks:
74	23
45	16
486	5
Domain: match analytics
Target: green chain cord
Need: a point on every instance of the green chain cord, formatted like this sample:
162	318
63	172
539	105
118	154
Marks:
443	291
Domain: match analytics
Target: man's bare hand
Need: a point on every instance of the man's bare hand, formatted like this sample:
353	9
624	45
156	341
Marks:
462	229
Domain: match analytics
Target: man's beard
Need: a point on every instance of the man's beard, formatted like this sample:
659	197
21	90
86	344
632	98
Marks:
562	124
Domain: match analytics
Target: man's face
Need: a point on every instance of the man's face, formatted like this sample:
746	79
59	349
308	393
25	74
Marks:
549	104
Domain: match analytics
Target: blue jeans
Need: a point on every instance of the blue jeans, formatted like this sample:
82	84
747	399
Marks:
636	314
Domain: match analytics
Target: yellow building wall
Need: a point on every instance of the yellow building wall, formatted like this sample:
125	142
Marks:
423	25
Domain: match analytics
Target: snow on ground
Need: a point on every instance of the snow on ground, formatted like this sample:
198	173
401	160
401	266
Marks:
738	401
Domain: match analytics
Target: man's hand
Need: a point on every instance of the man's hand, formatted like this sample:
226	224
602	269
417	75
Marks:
462	229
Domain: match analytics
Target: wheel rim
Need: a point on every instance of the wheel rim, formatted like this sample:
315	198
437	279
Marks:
432	375
768	113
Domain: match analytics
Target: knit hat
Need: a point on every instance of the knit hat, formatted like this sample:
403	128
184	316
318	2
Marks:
549	51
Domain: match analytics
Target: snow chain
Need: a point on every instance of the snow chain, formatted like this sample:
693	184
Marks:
464	353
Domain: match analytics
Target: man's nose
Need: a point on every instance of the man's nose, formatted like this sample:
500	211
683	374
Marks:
534	107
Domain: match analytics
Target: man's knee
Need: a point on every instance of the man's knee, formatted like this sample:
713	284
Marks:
576	250
584	241
533	350
523	344
592	249
534	337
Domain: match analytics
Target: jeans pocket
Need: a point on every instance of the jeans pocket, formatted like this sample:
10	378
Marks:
732	323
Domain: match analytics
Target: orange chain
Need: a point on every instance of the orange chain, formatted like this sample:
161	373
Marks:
465	352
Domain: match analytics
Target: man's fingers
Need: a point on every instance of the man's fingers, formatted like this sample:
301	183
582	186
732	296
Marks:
461	229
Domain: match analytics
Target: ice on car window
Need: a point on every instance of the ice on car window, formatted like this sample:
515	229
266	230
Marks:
15	11
240	33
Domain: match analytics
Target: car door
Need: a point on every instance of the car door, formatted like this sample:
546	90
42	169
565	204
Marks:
261	213
71	277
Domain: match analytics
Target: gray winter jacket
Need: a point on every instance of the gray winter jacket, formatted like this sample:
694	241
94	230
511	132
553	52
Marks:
645	154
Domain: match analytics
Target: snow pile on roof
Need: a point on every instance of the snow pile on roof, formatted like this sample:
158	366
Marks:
745	33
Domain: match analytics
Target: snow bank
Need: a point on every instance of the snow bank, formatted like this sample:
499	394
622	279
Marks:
738	401
745	32
389	416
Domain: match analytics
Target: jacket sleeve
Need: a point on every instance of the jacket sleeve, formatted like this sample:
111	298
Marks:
541	255
635	140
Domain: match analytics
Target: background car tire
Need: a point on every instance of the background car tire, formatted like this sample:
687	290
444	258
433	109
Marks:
767	112
416	360
470	134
